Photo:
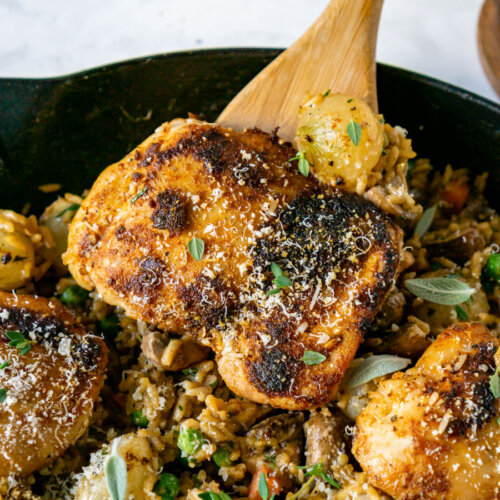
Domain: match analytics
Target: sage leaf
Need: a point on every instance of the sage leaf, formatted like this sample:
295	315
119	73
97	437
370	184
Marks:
445	291
425	221
116	477
354	132
313	358
196	247
376	366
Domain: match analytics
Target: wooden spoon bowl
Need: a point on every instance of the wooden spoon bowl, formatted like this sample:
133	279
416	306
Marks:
337	52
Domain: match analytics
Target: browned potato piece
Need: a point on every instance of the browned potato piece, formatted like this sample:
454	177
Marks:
432	432
51	389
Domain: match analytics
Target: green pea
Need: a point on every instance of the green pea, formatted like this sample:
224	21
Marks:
110	324
74	295
492	267
189	441
139	419
221	457
167	486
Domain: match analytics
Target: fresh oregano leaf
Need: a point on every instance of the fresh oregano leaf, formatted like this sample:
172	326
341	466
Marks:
3	395
445	291
354	132
495	384
425	221
313	358
196	247
115	471
263	487
461	314
302	163
376	366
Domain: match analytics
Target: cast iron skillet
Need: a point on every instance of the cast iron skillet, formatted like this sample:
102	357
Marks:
68	129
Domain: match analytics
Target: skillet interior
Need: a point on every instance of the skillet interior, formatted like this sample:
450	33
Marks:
68	129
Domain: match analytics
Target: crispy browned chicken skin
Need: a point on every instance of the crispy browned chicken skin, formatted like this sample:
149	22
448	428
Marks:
239	193
432	432
51	389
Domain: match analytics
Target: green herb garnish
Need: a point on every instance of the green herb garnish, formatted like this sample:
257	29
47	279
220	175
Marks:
5	364
211	495
167	487
376	366
72	208
142	192
425	221
196	247
271	461
461	314
115	471
3	395
350	100
495	384
446	291
264	488
354	132
280	280
18	340
319	470
312	358
302	164
327	93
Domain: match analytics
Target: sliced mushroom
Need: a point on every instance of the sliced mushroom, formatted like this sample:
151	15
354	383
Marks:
458	246
325	443
172	354
276	441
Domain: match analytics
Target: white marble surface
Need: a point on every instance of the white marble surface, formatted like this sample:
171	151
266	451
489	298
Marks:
53	37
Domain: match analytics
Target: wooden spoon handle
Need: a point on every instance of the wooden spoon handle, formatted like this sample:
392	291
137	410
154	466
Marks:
337	52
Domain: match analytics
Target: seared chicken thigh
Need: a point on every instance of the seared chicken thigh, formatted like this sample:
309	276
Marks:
50	380
432	432
259	219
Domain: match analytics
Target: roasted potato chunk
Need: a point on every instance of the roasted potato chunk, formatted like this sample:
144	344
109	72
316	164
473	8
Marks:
54	371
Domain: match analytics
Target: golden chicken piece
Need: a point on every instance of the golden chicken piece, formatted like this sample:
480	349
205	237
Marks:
240	195
51	376
432	432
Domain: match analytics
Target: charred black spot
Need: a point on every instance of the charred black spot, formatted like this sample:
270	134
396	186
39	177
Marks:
146	282
273	371
171	213
119	232
85	353
209	301
280	329
49	330
321	233
6	258
136	176
150	155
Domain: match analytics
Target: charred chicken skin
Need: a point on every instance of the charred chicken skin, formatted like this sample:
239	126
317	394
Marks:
259	219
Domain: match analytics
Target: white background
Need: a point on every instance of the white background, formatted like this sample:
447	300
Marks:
53	37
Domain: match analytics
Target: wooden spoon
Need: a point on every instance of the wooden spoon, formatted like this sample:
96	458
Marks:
488	38
337	52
